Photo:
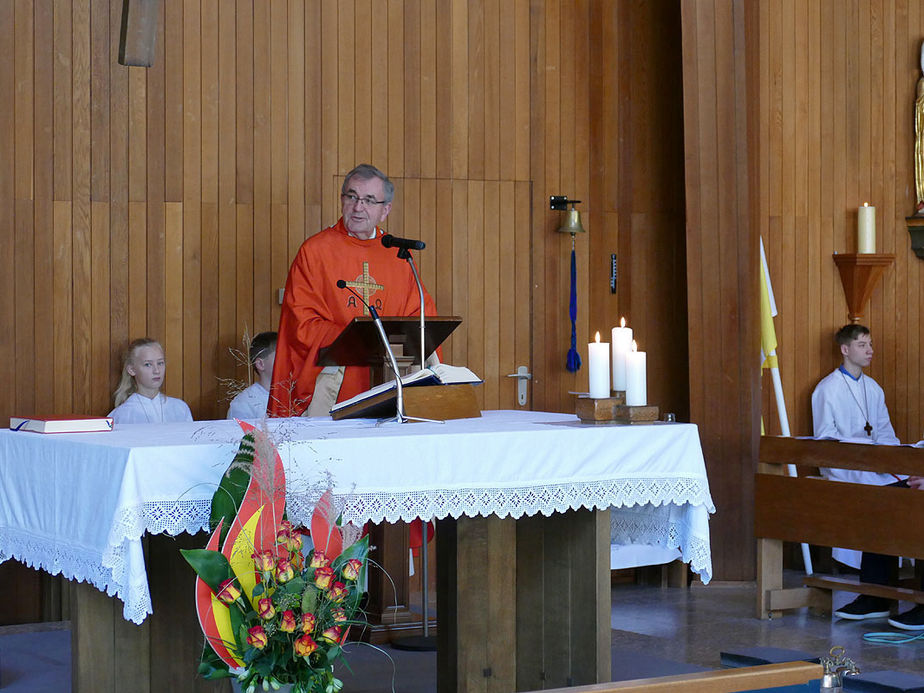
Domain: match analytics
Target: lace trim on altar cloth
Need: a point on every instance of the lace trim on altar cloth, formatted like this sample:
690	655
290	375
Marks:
512	502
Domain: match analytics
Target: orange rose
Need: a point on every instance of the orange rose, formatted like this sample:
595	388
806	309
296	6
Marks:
338	614
308	622
284	531
323	577
228	593
304	645
295	542
265	608
351	569
338	592
264	561
318	560
331	635
256	637
287	623
284	571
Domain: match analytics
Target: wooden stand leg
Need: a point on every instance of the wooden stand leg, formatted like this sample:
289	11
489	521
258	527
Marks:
523	605
769	574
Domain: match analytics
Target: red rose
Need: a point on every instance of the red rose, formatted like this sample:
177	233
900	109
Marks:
284	571
256	637
318	559
228	593
331	635
287	623
264	561
323	577
308	622
338	592
265	608
351	569
304	645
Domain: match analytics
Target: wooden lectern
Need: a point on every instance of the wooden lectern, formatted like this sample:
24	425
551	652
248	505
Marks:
359	344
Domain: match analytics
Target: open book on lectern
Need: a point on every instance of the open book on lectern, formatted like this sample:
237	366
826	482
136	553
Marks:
438	374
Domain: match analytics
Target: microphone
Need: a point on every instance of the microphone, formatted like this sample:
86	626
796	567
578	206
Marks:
390	241
341	284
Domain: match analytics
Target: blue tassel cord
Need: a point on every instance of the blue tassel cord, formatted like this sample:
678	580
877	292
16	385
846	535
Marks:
574	359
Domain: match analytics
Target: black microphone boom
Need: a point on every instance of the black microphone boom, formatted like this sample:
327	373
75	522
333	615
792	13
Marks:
390	241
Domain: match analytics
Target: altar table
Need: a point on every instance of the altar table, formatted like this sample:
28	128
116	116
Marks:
79	504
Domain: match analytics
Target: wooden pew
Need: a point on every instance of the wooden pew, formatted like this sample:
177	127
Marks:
881	519
719	681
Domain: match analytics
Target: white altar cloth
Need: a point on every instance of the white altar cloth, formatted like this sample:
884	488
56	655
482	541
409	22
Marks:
79	504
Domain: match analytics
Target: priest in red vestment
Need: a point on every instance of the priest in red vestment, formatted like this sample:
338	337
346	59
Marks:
315	311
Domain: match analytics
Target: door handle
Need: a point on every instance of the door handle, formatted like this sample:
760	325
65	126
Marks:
523	376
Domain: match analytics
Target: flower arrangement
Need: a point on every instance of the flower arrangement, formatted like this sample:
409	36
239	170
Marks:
272	614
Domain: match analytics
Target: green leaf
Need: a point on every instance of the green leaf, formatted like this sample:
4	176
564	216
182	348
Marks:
211	566
230	492
211	666
310	599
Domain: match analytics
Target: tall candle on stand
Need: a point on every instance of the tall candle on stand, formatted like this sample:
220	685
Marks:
599	368
622	343
866	229
636	378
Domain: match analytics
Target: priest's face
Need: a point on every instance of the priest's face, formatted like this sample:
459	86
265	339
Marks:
859	352
364	206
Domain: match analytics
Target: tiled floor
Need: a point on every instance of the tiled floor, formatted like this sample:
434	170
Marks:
655	631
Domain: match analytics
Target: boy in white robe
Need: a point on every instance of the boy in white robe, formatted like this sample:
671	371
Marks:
848	404
251	402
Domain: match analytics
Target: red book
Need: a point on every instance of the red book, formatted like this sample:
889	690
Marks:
61	424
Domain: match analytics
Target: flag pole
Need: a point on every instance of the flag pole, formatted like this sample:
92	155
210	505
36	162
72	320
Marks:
768	359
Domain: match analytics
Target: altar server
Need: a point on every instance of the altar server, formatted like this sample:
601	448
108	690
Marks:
138	398
251	403
848	404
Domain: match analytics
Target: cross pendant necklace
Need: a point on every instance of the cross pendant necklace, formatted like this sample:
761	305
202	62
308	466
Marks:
868	429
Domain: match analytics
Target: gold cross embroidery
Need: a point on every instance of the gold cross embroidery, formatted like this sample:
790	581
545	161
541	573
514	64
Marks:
367	285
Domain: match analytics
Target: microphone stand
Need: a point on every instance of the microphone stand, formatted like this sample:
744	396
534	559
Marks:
426	642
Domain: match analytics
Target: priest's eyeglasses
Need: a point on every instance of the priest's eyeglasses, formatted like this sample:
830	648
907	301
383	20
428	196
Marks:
367	201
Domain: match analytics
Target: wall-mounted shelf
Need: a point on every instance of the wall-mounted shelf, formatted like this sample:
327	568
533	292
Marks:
916	229
859	274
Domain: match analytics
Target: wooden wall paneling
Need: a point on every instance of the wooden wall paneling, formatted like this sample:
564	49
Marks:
173	339
492	86
475	161
538	384
394	76
444	258
411	69
168	105
24	282
279	85
296	140
62	100
443	86
460	78
506	125
329	97
154	156
82	270
210	406
344	131
245	268
269	141
192	209
460	271
522	93
226	257
244	87
475	232
8	234
364	69
523	289
62	268
428	79
510	300
99	297
427	232
491	293
99	104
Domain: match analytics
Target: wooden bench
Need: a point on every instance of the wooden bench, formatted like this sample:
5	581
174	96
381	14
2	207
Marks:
880	519
719	681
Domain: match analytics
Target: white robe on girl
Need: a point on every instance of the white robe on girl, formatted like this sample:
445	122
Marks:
161	409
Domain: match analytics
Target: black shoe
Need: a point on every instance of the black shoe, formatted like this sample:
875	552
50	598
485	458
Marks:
913	619
864	607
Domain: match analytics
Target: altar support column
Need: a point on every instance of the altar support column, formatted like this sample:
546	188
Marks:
523	604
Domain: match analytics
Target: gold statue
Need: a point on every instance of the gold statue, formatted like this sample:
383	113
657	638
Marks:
919	143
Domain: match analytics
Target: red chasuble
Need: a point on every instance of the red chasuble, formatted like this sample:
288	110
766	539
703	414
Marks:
315	311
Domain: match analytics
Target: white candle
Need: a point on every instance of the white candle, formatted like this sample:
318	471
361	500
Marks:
636	378
599	368
622	342
866	229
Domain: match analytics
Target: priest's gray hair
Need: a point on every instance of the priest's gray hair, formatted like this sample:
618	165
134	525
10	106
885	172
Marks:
367	172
